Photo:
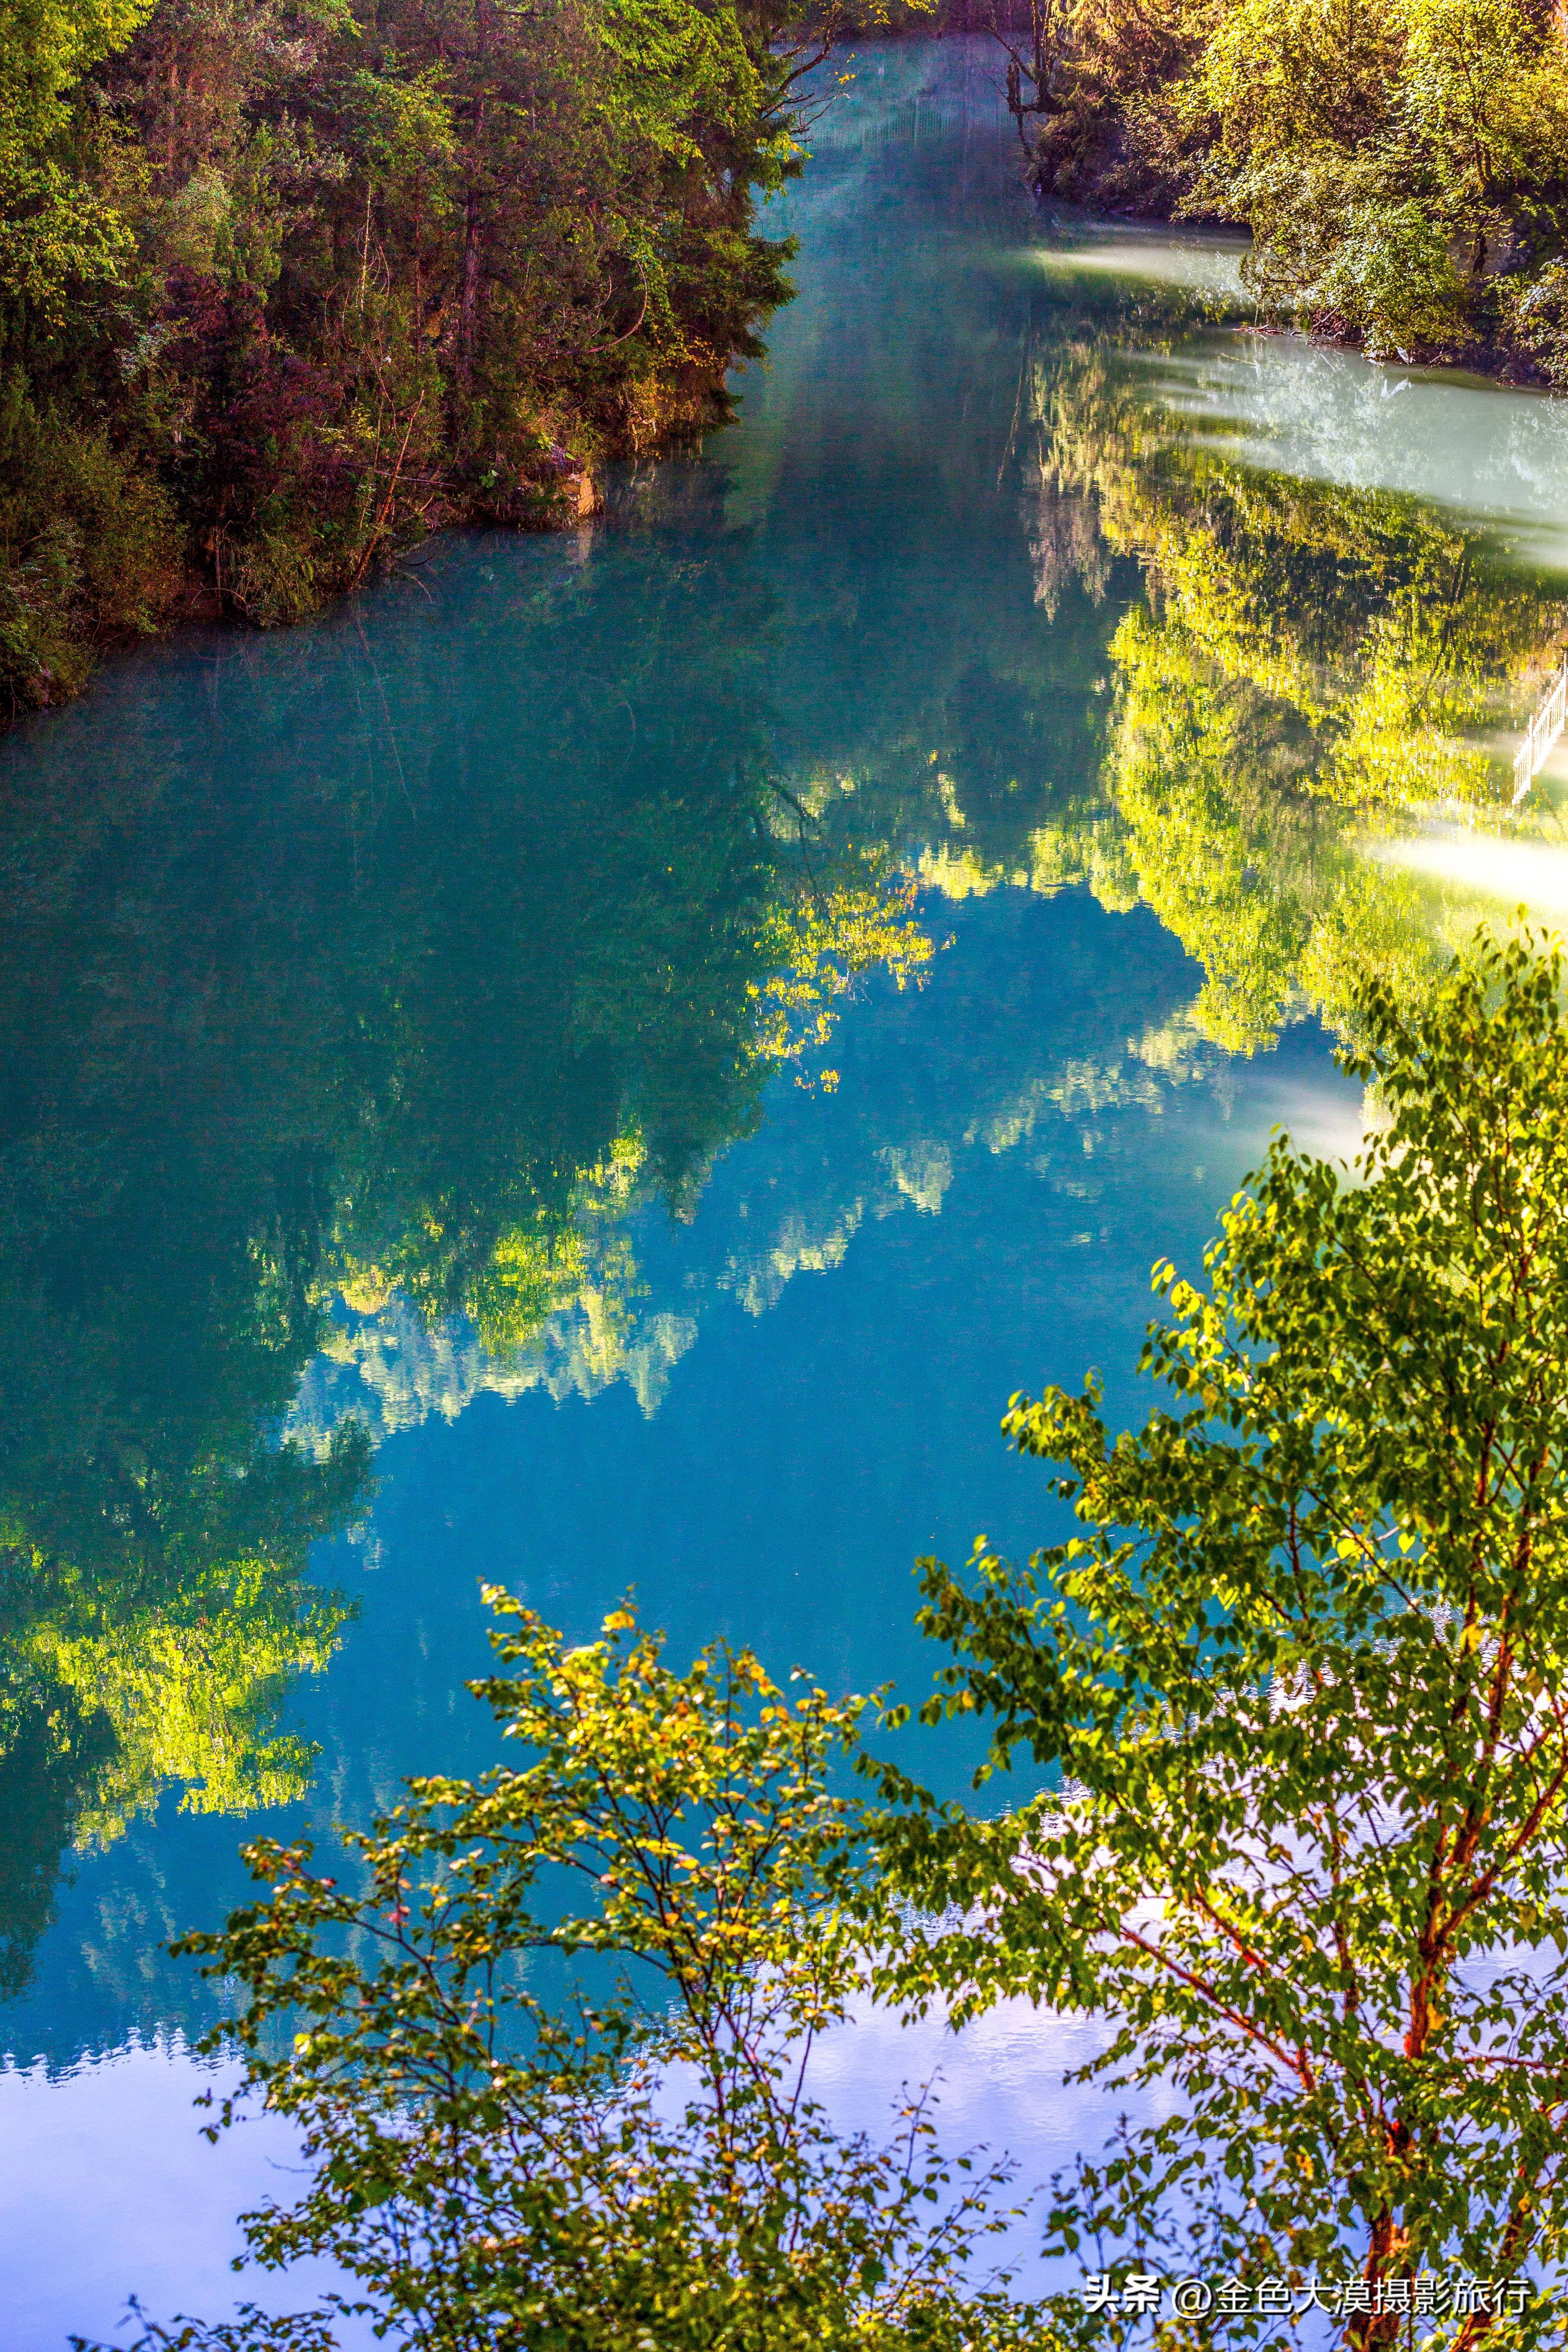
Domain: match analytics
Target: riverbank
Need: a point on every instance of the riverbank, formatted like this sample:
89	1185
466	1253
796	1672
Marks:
283	292
1402	175
276	312
96	553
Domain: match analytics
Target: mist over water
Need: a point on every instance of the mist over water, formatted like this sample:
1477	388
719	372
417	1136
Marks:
600	1066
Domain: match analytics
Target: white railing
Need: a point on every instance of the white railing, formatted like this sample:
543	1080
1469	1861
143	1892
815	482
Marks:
1539	735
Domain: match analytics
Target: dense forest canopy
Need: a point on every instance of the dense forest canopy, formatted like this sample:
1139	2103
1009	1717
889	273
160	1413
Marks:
1403	170
285	282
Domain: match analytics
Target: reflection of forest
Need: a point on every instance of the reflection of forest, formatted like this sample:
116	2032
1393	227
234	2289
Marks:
1308	658
370	1014
793	1207
285	1031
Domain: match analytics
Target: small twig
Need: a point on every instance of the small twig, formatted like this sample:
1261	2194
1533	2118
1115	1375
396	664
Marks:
362	566
595	348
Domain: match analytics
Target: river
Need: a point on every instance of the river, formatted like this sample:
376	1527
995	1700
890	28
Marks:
625	1049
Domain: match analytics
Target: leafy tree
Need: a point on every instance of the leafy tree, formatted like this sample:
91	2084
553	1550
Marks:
1297	1686
1404	170
56	231
496	2170
1389	163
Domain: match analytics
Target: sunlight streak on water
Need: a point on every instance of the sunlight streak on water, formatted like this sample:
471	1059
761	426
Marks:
1206	264
1278	400
1516	873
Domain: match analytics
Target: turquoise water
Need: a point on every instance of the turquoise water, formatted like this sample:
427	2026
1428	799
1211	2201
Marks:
419	1167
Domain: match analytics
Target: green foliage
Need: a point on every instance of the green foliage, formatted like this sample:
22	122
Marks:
1404	170
88	551
307	280
155	1608
826	940
113	1687
1300	1686
1312	655
494	2171
1391	164
186	1691
1090	90
57	232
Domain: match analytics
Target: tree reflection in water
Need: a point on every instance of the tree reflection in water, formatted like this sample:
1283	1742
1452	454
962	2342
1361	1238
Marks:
1306	659
375	992
284	1031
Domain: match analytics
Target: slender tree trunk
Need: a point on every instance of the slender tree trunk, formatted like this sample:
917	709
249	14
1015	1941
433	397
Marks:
468	307
469	302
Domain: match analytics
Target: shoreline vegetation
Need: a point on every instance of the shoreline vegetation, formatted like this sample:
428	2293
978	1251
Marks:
285	285
1402	171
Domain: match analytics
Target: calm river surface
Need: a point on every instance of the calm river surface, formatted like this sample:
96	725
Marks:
412	1051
